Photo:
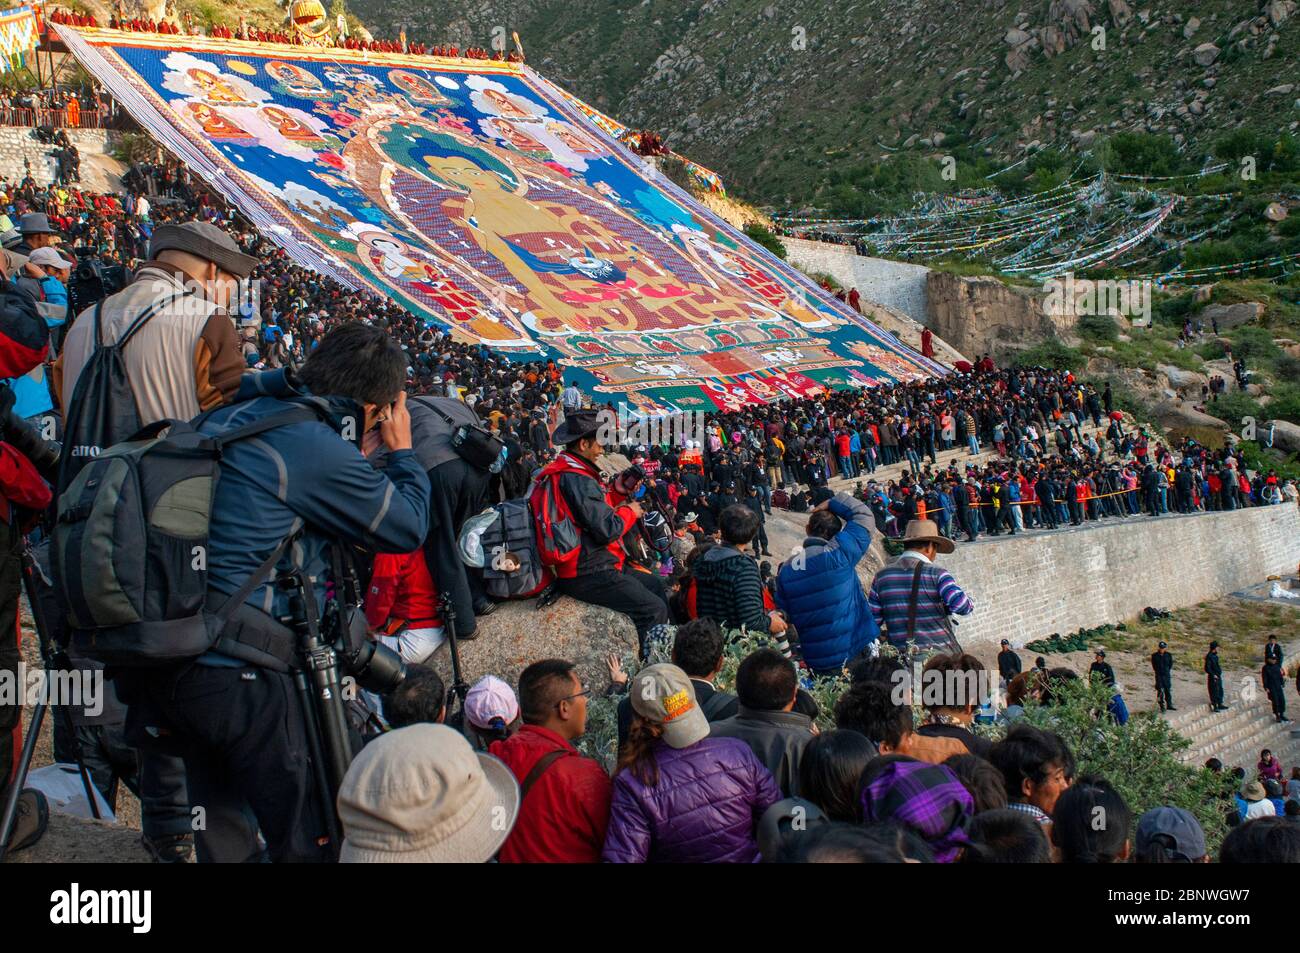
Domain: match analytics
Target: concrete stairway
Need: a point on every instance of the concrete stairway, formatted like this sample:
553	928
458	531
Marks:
1237	736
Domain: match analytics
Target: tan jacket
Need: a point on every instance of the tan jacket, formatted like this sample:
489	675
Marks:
184	360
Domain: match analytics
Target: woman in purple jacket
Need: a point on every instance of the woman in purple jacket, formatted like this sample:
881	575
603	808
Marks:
679	795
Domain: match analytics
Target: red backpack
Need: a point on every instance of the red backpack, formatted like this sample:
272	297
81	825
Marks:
559	540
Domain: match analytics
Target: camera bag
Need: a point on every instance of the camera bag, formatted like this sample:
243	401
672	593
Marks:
476	445
129	553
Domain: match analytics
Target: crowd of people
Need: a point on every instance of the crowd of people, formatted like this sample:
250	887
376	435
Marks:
359	443
170	26
707	776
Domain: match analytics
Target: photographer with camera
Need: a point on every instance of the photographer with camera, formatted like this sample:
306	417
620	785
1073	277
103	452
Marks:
287	505
593	571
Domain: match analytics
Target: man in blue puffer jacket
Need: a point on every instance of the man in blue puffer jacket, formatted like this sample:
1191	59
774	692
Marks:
819	588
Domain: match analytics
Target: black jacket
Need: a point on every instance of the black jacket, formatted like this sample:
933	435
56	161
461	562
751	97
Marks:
1104	670
777	738
600	523
1008	664
1212	666
1162	663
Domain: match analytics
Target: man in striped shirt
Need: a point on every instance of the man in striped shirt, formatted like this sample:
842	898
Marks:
937	593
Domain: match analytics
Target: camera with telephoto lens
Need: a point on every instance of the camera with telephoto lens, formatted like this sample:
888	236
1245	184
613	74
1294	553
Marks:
375	666
92	281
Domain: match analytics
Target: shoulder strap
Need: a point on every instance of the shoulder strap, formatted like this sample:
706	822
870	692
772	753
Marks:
428	402
913	599
99	336
258	575
145	316
296	415
539	768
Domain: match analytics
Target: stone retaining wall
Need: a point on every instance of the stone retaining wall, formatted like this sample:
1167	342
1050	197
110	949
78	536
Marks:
1031	586
18	144
894	284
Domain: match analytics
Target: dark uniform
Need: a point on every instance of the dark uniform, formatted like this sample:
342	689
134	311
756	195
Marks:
1104	670
1008	664
1162	663
1214	680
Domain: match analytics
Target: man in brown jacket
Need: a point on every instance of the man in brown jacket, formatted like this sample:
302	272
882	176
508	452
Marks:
187	357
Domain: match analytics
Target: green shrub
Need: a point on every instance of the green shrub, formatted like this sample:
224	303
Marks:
1051	354
1098	327
1141	758
762	235
1233	406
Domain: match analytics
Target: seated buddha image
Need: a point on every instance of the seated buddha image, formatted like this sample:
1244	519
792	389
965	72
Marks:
214	125
516	136
215	89
417	88
294	78
504	105
288	126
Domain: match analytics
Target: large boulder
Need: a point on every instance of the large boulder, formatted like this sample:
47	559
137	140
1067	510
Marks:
518	634
1286	435
1231	315
1205	54
1182	380
1179	413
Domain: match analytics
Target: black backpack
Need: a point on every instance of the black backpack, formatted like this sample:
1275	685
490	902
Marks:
129	553
102	411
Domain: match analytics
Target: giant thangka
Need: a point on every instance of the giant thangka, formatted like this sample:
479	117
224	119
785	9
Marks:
478	196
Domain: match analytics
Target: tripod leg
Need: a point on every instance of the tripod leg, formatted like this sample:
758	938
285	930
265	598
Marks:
30	568
20	777
316	752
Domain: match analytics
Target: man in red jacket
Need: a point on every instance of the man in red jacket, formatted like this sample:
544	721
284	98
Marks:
565	796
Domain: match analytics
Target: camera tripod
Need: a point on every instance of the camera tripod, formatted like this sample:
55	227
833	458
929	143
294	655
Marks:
459	687
54	660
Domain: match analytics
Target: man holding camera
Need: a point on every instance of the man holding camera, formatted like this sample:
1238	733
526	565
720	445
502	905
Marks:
595	573
302	492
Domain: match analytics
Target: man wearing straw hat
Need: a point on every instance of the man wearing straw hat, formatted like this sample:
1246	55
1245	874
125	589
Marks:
913	598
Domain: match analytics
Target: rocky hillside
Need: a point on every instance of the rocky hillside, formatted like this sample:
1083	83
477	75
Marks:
777	95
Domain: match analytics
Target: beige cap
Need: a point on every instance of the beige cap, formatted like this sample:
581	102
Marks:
49	258
664	694
421	794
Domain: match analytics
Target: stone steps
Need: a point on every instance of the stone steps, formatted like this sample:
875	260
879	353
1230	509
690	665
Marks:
1237	736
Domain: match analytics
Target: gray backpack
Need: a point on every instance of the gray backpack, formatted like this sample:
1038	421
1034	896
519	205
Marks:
512	567
129	552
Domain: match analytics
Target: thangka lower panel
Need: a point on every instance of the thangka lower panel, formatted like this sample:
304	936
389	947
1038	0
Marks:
479	197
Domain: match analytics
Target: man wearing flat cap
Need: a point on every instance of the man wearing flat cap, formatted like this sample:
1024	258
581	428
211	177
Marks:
185	357
594	571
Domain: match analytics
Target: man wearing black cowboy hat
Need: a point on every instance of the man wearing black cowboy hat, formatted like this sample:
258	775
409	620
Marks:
594	573
36	232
